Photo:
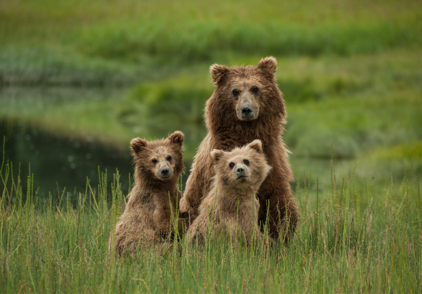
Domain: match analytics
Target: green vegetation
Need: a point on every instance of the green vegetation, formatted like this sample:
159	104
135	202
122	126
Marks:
114	42
349	239
358	104
109	70
350	71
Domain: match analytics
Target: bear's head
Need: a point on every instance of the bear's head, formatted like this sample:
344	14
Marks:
161	159
241	168
248	93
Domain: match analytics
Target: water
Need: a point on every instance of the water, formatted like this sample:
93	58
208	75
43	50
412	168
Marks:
56	160
59	162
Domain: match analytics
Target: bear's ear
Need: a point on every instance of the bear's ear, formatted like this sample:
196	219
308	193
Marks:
268	64
176	138
216	155
218	72
256	145
138	145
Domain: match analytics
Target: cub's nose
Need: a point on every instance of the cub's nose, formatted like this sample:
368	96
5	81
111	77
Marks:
240	171
165	172
247	111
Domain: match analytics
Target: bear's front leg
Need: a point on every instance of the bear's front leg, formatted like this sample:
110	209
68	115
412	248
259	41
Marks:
193	193
195	234
199	181
281	215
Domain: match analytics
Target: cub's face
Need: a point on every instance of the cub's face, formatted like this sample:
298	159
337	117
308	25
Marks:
248	91
240	168
161	162
160	159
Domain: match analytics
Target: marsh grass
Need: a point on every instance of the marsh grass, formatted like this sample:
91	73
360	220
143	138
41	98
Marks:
351	238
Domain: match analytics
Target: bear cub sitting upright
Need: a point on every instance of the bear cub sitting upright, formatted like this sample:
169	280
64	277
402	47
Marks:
231	207
152	201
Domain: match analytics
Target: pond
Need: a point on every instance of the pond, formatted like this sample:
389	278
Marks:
58	162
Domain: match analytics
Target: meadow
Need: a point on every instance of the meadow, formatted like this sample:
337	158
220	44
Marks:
349	240
350	73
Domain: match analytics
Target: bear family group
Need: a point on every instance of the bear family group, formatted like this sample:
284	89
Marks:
239	182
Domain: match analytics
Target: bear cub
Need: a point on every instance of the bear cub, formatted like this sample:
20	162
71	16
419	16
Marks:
231	207
152	201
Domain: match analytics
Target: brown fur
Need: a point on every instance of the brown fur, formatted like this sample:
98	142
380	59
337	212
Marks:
231	207
227	130
152	201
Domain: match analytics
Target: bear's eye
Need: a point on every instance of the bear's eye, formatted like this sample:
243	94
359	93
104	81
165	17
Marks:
255	89
154	161
231	165
246	162
236	92
168	158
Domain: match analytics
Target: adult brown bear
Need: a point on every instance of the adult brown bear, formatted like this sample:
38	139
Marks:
247	105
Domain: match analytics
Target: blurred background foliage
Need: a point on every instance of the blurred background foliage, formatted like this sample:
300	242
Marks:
98	73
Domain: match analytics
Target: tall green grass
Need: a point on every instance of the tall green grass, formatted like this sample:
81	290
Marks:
349	239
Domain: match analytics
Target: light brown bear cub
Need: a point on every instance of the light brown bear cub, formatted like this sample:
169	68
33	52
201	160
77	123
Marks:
152	201
231	207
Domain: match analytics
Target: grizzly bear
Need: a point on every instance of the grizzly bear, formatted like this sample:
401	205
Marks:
247	105
231	207
147	218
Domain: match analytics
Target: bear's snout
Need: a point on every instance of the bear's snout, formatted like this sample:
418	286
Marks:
247	108
165	172
240	171
247	111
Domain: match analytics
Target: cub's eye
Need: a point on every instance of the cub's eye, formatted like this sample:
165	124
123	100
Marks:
255	89
168	158
246	162
231	165
236	92
154	161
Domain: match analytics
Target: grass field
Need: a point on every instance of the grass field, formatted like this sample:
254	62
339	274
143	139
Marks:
349	240
110	70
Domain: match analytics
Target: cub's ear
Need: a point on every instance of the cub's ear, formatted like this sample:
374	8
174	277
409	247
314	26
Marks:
138	145
256	145
218	72
176	138
216	155
268	64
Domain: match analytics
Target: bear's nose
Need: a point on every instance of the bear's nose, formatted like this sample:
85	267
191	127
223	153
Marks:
240	171
165	172
246	111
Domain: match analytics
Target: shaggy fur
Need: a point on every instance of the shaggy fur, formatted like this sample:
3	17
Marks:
231	207
234	88
152	201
